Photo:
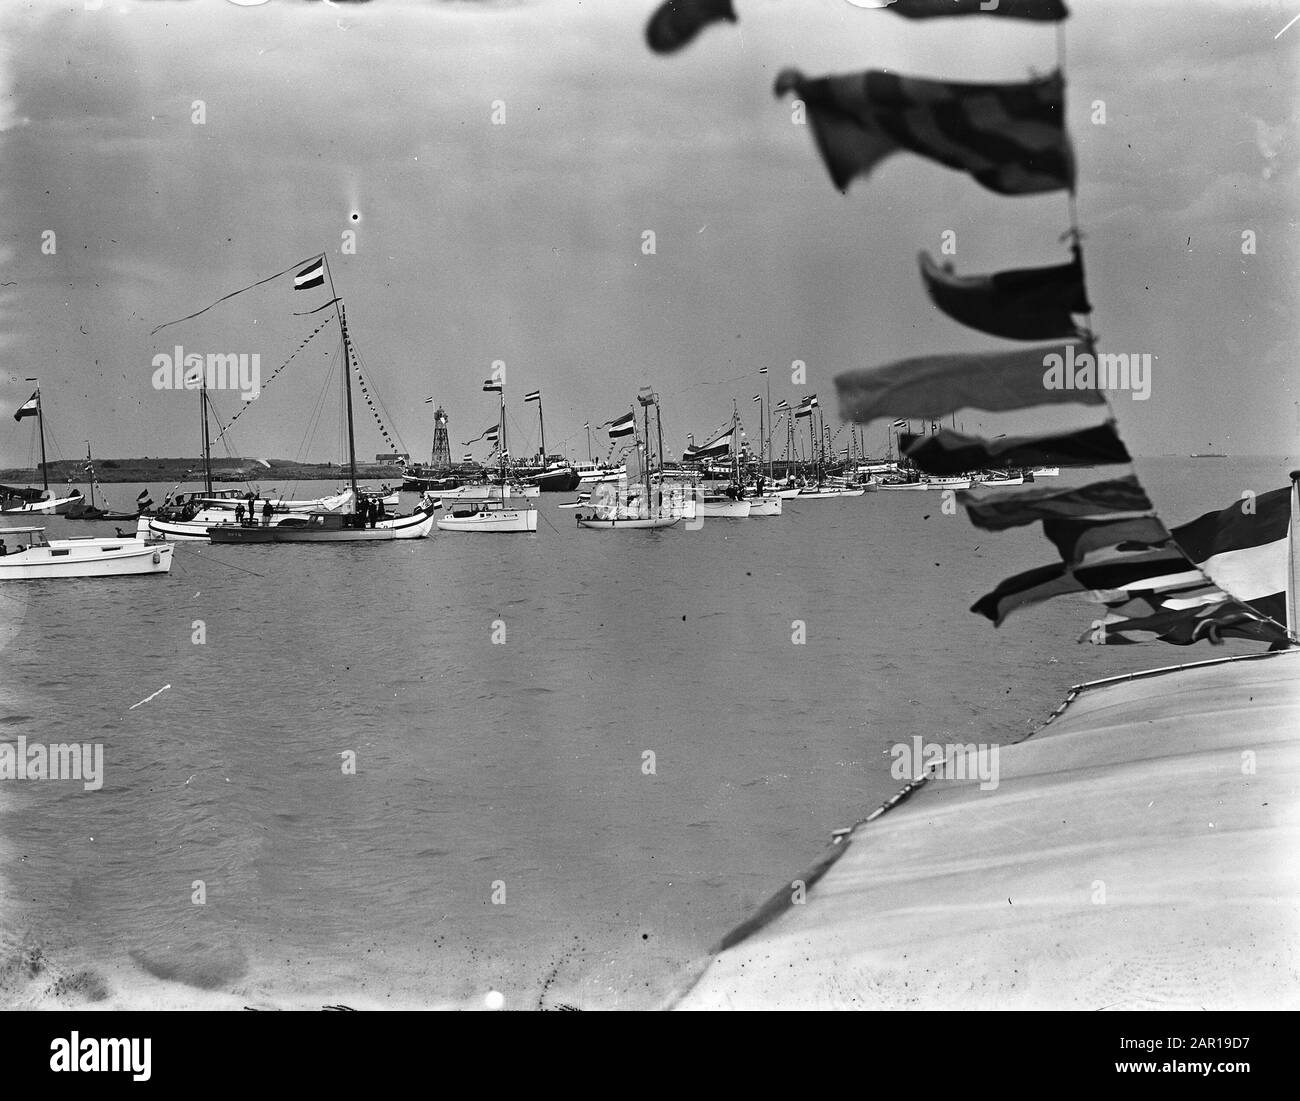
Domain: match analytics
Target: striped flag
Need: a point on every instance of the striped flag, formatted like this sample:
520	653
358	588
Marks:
716	448
782	406
492	434
313	275
29	408
493	385
1218	576
806	406
428	401
675	22
762	370
1116	499
1023	304
467	458
535	395
624	426
484	435
1046	11
1010	137
899	424
143	500
586	424
758	397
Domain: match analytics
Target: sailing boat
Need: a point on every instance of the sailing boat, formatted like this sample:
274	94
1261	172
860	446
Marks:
628	508
26	500
191	517
82	511
501	512
731	503
322	525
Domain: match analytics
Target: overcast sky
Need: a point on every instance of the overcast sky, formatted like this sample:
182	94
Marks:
522	242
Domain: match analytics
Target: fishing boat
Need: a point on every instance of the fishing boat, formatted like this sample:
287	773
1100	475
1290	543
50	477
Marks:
40	558
504	508
623	507
28	500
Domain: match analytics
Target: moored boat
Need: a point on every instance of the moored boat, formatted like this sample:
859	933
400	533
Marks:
40	558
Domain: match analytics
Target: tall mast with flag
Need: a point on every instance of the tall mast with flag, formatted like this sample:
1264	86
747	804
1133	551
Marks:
32	408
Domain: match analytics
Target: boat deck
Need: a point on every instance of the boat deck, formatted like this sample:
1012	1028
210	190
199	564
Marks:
1137	853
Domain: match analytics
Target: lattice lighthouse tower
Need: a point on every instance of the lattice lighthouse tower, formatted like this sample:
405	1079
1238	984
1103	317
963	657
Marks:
441	445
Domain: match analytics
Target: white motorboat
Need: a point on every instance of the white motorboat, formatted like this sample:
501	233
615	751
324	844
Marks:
57	558
491	516
951	482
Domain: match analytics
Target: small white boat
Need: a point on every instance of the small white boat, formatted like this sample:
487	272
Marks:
949	482
904	486
490	516
1046	472
54	558
996	479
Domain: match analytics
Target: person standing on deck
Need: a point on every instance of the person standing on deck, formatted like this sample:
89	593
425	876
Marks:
267	510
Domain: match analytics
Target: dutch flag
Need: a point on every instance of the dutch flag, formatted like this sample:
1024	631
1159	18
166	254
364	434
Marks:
313	275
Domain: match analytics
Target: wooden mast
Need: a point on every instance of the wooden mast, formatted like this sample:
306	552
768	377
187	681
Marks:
347	381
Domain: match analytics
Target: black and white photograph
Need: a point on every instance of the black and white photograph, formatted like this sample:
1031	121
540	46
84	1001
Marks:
642	505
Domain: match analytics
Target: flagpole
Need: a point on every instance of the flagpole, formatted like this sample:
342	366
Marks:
768	379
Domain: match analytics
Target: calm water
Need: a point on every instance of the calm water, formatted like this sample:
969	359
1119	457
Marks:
482	764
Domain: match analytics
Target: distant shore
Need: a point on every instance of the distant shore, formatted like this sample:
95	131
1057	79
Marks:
189	470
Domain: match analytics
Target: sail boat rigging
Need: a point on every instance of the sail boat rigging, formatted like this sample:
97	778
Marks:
28	500
355	523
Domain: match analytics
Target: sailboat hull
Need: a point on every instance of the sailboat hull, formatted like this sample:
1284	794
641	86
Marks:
330	528
54	506
628	523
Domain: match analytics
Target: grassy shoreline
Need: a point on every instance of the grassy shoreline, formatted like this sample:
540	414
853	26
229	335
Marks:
175	470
